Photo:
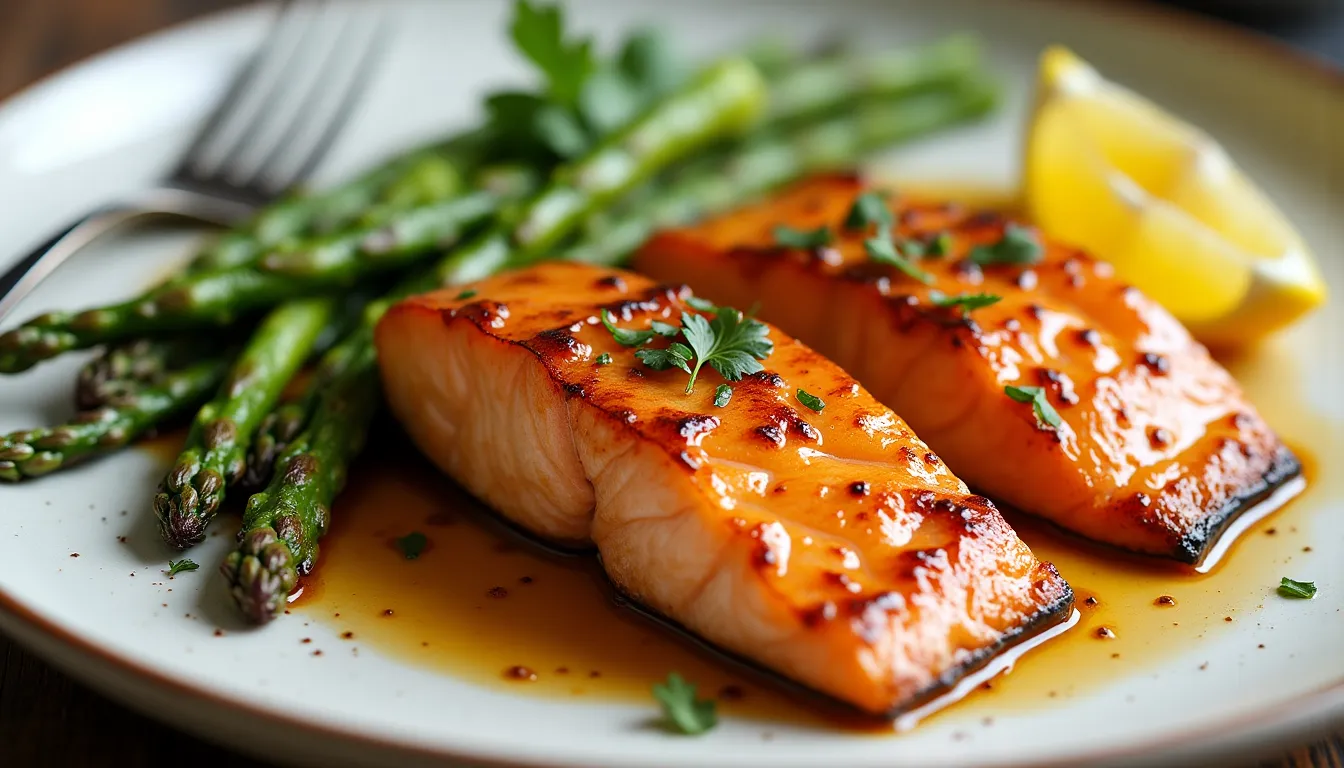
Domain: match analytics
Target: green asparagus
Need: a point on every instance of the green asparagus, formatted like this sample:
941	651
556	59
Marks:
221	434
121	370
219	298
719	103
281	525
716	184
108	427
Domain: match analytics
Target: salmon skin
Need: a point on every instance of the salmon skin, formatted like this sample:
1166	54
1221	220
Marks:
831	546
1158	450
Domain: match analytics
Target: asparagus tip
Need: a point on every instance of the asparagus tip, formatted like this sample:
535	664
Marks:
261	574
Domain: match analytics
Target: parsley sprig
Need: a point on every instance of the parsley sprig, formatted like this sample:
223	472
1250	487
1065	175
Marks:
1297	590
870	209
730	343
1046	415
1018	245
966	301
806	239
682	711
181	566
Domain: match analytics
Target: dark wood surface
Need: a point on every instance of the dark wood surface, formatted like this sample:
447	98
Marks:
46	719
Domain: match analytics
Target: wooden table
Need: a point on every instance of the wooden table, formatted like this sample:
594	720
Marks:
46	718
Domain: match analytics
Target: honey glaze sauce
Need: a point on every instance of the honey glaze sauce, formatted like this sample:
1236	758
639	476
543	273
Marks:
481	604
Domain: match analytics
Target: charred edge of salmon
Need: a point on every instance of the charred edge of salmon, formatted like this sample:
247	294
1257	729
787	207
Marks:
1196	545
1048	617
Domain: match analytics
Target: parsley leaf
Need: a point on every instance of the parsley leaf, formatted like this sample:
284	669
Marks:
625	336
883	251
722	394
730	344
608	100
539	32
603	359
1297	590
682	711
560	130
677	355
666	330
467	294
181	566
651	61
940	245
801	238
967	301
810	400
870	208
704	305
412	544
1046	415
1017	246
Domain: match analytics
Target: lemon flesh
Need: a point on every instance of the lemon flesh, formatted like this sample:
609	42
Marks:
1109	171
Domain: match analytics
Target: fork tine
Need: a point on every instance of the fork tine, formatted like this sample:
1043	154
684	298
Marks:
330	122
239	89
240	163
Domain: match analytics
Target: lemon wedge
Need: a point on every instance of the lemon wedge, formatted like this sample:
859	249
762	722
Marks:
1111	172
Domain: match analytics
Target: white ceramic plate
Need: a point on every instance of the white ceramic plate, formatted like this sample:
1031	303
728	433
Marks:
108	617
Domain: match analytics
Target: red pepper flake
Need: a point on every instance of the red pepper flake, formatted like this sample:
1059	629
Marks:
219	633
347	635
74	554
306	640
318	652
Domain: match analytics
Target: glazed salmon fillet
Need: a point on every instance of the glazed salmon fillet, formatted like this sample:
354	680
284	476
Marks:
1156	450
830	546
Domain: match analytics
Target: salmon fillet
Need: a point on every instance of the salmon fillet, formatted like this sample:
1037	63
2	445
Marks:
1158	450
832	547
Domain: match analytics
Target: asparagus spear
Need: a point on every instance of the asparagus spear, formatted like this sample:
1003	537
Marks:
121	370
719	183
411	179
190	495
108	427
282	525
720	102
218	298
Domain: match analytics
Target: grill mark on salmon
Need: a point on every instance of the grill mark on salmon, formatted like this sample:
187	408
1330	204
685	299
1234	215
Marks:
882	601
1159	451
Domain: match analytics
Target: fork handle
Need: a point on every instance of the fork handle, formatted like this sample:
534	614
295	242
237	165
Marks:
35	267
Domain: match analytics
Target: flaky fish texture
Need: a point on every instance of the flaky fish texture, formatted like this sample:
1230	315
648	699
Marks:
1157	451
831	546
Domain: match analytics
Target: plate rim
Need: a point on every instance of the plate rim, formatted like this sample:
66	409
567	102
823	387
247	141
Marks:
1266	728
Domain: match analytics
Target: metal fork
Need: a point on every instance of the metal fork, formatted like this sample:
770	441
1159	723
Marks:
277	120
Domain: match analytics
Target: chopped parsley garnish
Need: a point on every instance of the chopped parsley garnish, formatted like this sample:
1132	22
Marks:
604	359
722	394
1297	590
181	566
730	344
704	305
625	336
467	294
810	400
940	245
1017	246
665	329
677	355
869	209
539	32
682	711
966	301
801	238
412	544
1046	415
882	250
